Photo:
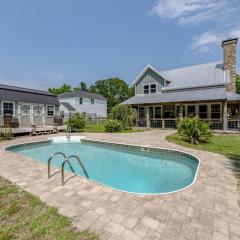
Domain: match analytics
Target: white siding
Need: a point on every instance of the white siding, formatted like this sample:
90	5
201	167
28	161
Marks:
99	107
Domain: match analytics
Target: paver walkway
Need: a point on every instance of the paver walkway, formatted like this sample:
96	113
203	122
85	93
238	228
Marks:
207	210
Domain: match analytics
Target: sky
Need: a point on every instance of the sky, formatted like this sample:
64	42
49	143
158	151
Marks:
46	43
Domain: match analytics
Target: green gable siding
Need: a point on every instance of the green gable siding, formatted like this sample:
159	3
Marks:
149	77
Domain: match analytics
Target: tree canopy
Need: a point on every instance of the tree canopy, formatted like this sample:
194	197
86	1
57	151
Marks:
64	88
115	90
81	86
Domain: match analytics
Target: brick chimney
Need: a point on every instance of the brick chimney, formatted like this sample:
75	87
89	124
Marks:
229	61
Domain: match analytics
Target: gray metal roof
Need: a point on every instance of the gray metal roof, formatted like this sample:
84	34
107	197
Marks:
18	94
68	106
82	94
200	94
208	74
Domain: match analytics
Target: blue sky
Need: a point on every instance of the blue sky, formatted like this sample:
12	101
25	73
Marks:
46	43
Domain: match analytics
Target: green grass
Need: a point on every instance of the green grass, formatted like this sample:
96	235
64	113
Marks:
99	128
226	144
24	216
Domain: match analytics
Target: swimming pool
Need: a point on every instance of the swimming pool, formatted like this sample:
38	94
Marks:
127	168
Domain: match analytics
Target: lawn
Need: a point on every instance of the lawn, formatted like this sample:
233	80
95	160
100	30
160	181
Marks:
24	216
99	128
226	144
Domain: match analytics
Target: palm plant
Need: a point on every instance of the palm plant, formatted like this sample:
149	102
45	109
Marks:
194	129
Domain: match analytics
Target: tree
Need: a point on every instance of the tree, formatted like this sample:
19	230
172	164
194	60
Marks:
77	122
81	86
64	88
115	90
124	114
238	84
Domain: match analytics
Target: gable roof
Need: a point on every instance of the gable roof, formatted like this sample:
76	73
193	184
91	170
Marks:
149	67
208	74
68	106
19	94
82	94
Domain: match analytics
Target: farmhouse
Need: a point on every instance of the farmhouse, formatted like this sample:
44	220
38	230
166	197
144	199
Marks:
207	90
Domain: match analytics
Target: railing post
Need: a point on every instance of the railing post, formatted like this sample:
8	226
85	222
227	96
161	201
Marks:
163	123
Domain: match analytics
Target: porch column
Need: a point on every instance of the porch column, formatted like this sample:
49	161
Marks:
225	123
147	118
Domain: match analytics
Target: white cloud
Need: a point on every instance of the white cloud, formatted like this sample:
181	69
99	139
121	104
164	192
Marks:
235	33
206	39
195	11
203	43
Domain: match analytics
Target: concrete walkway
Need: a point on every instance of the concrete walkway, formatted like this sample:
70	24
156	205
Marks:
207	210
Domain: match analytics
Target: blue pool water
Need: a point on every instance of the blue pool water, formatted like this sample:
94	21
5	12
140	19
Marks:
121	168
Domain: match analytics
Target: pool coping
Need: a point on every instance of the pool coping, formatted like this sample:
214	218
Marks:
133	146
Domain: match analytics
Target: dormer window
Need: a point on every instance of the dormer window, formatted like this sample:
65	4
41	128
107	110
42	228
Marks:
153	88
146	89
150	88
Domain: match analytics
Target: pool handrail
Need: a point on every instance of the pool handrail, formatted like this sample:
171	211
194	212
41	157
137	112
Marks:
50	159
67	161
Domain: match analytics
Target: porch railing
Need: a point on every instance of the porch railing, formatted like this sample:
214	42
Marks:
171	123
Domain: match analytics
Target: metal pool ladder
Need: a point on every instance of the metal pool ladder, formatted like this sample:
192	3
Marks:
67	161
50	159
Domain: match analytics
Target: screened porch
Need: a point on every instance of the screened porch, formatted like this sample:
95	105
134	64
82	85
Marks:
219	115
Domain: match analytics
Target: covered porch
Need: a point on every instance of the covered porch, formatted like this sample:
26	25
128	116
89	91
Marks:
221	115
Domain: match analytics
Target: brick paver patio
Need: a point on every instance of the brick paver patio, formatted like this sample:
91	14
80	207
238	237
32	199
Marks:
207	210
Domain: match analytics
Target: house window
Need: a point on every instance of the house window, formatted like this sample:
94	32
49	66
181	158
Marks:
92	101
153	88
141	113
37	110
191	110
146	89
178	111
150	112
80	101
50	111
8	108
158	112
215	111
169	111
203	111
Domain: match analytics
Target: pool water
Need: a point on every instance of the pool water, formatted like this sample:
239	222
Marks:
122	168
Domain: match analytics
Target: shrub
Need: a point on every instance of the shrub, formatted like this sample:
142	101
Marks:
238	84
194	130
124	114
112	125
6	134
77	122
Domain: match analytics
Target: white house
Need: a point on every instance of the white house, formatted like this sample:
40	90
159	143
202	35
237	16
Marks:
94	105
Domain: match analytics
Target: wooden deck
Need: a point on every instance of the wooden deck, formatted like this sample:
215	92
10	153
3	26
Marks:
37	131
